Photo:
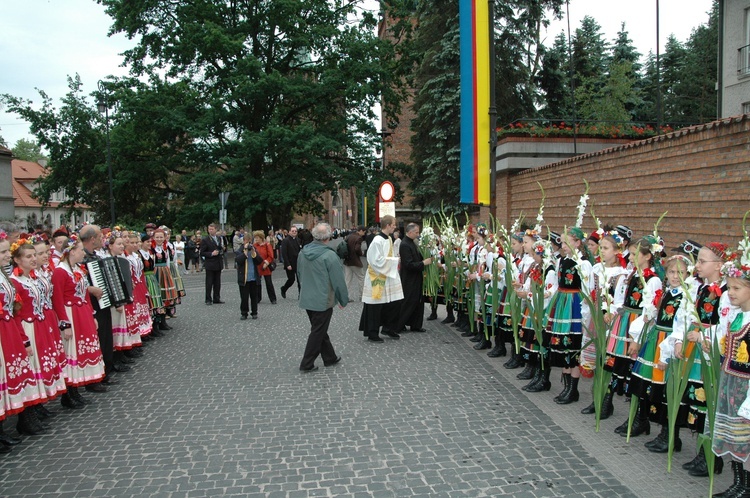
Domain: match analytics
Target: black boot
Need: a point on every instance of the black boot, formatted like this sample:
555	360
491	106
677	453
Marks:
738	487
566	387
692	463
450	318
5	449
483	342
515	360
433	315
622	428
608	408
478	333
572	395
27	424
700	469
499	349
661	443
641	425
42	412
68	402
7	439
527	372
543	384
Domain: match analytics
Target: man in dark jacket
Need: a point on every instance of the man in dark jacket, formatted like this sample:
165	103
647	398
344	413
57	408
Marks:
412	266
290	248
210	251
247	260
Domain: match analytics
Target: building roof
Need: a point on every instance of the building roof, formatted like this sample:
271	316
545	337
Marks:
28	172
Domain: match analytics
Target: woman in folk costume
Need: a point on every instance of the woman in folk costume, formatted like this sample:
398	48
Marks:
606	277
123	340
72	304
382	289
495	276
568	313
648	377
174	267
137	313
542	278
505	322
38	328
156	304
161	254
623	346
19	387
476	269
732	425
701	324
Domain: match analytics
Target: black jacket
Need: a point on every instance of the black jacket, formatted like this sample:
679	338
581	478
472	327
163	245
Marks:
290	248
213	263
241	258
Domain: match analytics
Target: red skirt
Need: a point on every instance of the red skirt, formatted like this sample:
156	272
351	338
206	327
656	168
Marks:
138	313
50	315
18	385
85	364
44	360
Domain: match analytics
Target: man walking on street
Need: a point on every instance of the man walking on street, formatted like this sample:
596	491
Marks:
322	285
290	248
210	251
412	266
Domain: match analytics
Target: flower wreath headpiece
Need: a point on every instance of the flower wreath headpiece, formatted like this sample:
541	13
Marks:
482	230
71	243
38	238
15	246
738	262
3	235
534	234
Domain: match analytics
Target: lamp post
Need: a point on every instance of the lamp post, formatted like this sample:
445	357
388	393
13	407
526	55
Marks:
102	105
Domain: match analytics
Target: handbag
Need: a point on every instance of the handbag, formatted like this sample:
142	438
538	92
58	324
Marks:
272	266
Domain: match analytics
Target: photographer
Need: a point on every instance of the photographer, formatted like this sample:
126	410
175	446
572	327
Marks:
248	279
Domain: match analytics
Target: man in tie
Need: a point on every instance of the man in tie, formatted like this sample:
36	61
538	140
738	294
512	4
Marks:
210	250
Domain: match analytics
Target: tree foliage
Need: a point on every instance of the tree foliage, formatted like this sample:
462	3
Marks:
26	150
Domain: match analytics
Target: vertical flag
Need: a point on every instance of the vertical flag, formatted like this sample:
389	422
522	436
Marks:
475	101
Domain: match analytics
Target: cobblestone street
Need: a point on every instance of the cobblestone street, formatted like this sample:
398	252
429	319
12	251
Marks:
218	407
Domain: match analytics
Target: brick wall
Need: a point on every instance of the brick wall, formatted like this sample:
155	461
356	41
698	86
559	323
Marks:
700	175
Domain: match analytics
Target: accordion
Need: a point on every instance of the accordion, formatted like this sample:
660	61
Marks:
106	274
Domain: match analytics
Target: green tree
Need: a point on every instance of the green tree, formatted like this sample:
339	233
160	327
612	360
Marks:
554	80
696	91
273	100
26	150
589	53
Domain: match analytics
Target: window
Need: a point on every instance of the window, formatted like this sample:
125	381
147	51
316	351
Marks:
743	59
746	108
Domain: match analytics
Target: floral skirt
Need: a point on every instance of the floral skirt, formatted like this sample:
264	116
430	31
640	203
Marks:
565	328
122	338
528	336
137	313
504	320
43	361
693	413
51	316
18	385
731	432
85	363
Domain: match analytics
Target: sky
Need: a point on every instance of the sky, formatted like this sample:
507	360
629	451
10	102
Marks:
42	42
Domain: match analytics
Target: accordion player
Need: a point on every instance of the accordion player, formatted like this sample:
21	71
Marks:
106	274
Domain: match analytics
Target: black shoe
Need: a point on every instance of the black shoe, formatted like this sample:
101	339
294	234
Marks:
27	424
433	316
661	443
391	334
622	428
120	368
483	344
332	363
692	463
497	351
589	409
307	370
527	373
283	293
155	332
468	333
243	317
449	319
273	302
418	330
68	402
375	339
75	395
42	412
209	303
126	361
5	449
640	426
219	302
515	361
572	395
254	317
701	468
739	483
164	326
96	388
7	439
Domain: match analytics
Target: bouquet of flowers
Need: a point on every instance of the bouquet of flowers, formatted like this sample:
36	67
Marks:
428	247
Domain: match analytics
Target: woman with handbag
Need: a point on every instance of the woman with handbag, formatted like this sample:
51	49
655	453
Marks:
265	269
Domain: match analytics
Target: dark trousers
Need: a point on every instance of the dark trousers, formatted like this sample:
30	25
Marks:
269	288
106	341
249	291
318	342
213	285
375	316
290	277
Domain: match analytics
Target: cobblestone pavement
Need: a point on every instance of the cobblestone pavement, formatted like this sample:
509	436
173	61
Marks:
219	408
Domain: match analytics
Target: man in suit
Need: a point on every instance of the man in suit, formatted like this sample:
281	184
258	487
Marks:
412	266
290	249
210	250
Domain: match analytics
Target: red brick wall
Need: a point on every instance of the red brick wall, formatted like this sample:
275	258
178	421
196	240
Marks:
700	175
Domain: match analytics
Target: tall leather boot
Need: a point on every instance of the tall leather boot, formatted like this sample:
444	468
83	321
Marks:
738	487
692	463
641	425
450	318
566	387
572	395
543	384
515	361
700	469
528	371
499	349
7	439
26	424
75	394
483	342
661	443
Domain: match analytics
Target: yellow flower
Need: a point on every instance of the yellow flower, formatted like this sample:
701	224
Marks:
742	355
691	418
700	394
723	345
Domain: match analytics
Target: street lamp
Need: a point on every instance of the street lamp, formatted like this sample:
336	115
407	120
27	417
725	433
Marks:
102	105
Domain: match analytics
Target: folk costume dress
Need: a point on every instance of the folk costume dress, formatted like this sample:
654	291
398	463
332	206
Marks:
607	279
176	274
620	338
547	280
138	313
122	339
72	303
568	312
152	284
477	262
40	331
494	265
711	303
647	382
44	280
732	425
18	384
504	318
169	295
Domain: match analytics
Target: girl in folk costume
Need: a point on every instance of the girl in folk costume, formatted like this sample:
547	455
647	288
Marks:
19	387
123	339
542	277
495	268
568	313
623	346
37	327
59	239
505	322
161	254
156	304
607	274
72	304
732	426
477	262
648	377
174	267
701	324
137	313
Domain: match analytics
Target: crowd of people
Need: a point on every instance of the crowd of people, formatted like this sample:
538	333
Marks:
76	310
